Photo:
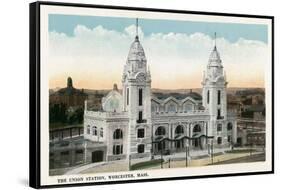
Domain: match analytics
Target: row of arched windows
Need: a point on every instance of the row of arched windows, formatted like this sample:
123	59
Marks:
160	131
229	127
172	107
94	131
118	149
179	130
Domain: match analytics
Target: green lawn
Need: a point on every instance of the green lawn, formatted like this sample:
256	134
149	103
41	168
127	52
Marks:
240	151
147	164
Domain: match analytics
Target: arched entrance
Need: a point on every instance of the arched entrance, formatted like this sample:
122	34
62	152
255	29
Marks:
197	141
97	156
179	133
160	133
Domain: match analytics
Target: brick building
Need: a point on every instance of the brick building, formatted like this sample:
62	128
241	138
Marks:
69	96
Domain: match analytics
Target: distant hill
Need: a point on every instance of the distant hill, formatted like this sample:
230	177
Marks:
231	90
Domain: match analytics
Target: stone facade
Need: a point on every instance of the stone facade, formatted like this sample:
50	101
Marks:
138	124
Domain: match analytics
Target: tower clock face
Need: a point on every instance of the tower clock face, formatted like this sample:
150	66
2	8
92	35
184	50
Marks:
141	77
214	72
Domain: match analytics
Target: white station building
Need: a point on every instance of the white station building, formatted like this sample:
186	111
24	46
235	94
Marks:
136	123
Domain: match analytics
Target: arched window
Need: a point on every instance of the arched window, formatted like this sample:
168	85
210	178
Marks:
219	97
219	140
208	97
117	149
196	129
95	131
118	134
88	129
140	97
228	138
141	148
153	108
140	133
219	127
188	107
127	93
179	130
229	126
172	108
101	132
160	131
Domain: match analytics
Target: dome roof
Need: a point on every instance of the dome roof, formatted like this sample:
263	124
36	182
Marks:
214	59
136	52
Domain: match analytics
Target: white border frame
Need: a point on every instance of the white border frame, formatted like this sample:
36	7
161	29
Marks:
175	172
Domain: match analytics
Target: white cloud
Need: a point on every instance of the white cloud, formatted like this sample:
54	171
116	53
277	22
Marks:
101	53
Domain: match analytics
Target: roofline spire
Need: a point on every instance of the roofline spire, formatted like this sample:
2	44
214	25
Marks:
137	26
215	39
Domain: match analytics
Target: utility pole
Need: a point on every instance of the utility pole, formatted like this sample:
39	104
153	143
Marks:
186	156
186	153
212	151
129	162
161	154
152	153
252	140
169	162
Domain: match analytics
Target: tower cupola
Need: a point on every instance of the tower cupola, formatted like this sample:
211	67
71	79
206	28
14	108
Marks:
136	60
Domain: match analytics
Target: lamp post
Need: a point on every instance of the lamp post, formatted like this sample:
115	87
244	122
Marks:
209	149
251	139
161	154
212	151
169	162
152	150
186	154
129	162
232	143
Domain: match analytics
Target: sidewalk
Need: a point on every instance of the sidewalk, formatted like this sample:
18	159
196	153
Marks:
196	158
85	167
192	154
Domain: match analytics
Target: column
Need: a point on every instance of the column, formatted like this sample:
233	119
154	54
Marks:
170	129
190	135
152	144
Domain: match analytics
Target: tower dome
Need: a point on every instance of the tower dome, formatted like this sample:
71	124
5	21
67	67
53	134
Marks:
214	59
136	53
136	60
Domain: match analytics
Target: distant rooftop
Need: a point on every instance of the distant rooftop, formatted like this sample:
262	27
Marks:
70	90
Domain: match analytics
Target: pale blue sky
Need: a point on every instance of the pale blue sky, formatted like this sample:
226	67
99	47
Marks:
231	32
101	44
